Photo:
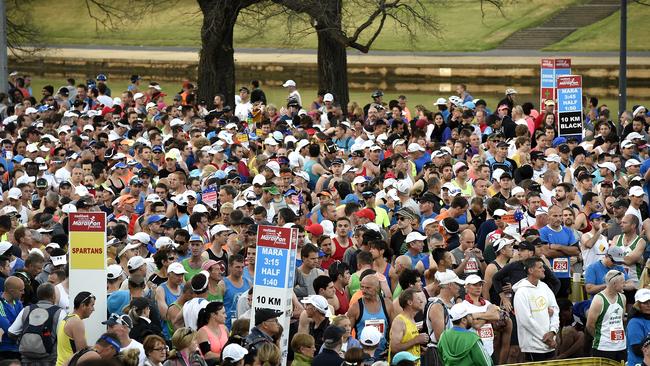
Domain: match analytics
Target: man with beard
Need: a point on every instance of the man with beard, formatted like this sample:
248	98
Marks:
564	194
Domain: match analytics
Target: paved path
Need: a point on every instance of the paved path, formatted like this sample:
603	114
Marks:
301	56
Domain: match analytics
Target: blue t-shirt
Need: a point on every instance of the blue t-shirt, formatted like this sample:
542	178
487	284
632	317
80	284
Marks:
595	273
8	314
560	266
419	163
637	328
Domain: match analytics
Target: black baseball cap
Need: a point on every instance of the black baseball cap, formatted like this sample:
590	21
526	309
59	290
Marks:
264	314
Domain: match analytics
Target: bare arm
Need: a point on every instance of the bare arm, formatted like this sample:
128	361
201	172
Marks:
437	318
592	314
594	289
201	337
160	301
588	242
490	270
78	332
636	254
397	331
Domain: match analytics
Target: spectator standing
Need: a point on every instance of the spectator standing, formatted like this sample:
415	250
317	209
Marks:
537	313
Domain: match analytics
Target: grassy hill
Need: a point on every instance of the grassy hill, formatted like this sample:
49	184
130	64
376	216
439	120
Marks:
463	27
604	35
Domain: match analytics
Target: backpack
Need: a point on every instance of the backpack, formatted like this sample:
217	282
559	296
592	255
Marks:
427	327
38	339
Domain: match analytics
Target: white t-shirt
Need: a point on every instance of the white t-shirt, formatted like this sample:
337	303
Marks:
191	311
633	211
595	253
242	110
547	196
137	345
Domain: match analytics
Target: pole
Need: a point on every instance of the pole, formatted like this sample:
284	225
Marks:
622	67
3	47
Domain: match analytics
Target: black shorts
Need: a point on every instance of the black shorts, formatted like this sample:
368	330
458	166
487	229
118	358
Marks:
534	357
565	288
612	355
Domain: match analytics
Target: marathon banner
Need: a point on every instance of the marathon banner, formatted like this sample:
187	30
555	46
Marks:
87	240
550	70
569	97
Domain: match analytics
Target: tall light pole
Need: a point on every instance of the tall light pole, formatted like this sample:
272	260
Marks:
3	47
622	67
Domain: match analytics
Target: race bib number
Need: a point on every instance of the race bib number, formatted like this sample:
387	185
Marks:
561	265
471	266
486	332
617	335
377	323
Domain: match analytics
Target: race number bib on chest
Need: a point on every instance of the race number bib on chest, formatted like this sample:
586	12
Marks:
471	266
617	335
377	323
561	265
486	332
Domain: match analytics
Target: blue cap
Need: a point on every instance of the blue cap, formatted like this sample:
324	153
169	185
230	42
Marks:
219	174
155	218
404	355
290	192
195	173
18	158
196	237
350	198
559	141
595	215
157	148
120	165
321	254
469	105
101	77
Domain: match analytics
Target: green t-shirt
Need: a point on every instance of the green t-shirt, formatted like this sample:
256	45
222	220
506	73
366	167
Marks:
191	272
354	285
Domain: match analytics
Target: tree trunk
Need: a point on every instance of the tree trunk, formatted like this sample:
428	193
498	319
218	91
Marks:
216	74
332	56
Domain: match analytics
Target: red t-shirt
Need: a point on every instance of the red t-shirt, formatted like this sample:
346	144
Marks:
344	302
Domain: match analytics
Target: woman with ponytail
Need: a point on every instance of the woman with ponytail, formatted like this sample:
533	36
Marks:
139	310
212	335
185	350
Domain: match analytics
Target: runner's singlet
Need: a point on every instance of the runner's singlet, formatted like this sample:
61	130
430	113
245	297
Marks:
610	333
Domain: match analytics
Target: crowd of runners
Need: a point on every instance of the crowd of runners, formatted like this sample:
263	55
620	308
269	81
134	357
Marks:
454	233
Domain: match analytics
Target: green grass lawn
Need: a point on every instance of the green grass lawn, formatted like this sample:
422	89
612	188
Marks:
604	35
462	26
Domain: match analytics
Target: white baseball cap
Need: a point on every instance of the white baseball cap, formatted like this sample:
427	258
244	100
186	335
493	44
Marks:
642	295
328	97
234	352
319	302
216	229
15	193
176	268
370	336
289	83
135	263
113	271
632	162
473	279
141	237
414	147
447	277
636	191
413	236
164	241
441	101
608	165
458	311
500	212
516	190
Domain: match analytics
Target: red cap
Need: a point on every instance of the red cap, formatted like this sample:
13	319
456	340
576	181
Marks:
367	213
390	175
421	123
315	229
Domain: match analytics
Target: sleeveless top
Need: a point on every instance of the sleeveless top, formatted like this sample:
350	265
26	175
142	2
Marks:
486	332
634	270
378	320
609	331
433	341
313	178
64	299
65	347
170	298
231	296
410	332
588	227
217	342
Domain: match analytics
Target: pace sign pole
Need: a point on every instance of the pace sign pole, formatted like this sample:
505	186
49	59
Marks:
569	97
88	266
275	266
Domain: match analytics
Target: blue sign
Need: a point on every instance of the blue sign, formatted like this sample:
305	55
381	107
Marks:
271	266
548	78
569	100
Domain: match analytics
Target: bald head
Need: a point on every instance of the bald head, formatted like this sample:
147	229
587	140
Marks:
403	261
467	239
14	288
